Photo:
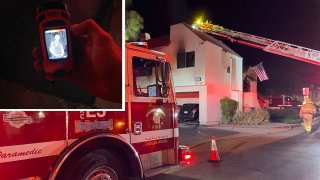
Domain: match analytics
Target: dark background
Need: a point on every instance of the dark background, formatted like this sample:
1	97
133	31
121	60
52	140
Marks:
20	35
292	21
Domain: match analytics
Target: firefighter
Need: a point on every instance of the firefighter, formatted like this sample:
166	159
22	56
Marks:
306	113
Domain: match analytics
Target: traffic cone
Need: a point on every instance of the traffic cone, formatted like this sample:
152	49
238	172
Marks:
214	155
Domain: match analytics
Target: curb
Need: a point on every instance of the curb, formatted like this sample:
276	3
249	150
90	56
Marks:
245	126
256	126
286	128
241	135
289	125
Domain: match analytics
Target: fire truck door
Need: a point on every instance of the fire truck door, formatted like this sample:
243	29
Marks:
152	112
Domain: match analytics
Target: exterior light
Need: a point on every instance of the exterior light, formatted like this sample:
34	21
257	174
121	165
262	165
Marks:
41	114
159	110
120	124
176	115
187	156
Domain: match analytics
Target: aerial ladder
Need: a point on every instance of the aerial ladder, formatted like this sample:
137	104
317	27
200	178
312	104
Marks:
273	46
276	47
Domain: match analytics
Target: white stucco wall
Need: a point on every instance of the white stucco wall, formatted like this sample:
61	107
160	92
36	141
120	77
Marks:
250	101
237	80
182	36
219	82
211	63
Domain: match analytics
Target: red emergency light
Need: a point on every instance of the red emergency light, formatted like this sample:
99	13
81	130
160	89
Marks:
185	155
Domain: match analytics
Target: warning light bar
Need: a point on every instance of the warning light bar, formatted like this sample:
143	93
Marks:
139	44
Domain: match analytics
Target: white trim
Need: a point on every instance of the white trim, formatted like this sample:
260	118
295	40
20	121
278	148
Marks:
51	148
154	135
31	151
125	136
37	150
150	99
123	53
176	132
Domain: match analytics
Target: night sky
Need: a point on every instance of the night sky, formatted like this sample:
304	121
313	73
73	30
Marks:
291	21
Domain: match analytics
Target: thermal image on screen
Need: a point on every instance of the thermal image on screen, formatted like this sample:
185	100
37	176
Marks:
56	44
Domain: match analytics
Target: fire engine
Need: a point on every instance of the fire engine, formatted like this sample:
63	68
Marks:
138	142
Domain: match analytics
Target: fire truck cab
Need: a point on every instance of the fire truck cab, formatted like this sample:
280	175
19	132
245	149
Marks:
137	142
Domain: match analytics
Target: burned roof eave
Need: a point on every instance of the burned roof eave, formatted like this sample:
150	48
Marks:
206	37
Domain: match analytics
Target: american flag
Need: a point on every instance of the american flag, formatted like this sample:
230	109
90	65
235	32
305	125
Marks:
261	73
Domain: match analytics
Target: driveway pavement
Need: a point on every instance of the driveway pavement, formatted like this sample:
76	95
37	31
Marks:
192	134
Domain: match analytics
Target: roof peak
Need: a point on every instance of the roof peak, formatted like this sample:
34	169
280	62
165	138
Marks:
207	37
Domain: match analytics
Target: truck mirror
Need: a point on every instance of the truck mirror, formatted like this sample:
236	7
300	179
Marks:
165	78
166	72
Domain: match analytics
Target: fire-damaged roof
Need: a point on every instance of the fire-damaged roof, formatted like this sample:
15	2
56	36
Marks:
165	40
207	37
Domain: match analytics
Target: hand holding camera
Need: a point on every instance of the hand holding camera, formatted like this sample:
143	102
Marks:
94	61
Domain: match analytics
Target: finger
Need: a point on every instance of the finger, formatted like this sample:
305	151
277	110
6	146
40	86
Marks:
36	53
79	47
83	28
37	65
88	27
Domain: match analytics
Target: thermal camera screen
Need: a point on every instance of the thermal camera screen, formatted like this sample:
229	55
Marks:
56	44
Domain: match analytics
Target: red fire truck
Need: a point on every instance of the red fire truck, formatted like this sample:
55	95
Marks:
137	142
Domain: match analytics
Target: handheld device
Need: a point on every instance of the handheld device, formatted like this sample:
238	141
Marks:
55	38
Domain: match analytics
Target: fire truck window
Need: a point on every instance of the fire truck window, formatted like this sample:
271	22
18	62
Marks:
147	77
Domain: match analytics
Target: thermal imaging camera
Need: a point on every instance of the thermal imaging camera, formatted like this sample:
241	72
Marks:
55	37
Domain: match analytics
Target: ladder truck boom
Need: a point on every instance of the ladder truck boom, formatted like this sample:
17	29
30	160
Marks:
273	46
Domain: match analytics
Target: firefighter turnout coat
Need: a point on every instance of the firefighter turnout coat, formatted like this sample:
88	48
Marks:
306	113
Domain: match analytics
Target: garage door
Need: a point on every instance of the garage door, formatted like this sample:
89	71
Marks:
187	97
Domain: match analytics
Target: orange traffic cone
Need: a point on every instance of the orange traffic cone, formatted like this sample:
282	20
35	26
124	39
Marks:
214	155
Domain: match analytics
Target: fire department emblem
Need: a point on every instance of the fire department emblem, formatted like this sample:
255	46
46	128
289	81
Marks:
157	115
17	118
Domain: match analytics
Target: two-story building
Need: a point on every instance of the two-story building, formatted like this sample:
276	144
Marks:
205	70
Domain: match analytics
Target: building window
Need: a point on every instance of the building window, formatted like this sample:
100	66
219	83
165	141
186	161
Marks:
181	60
190	59
185	60
228	69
